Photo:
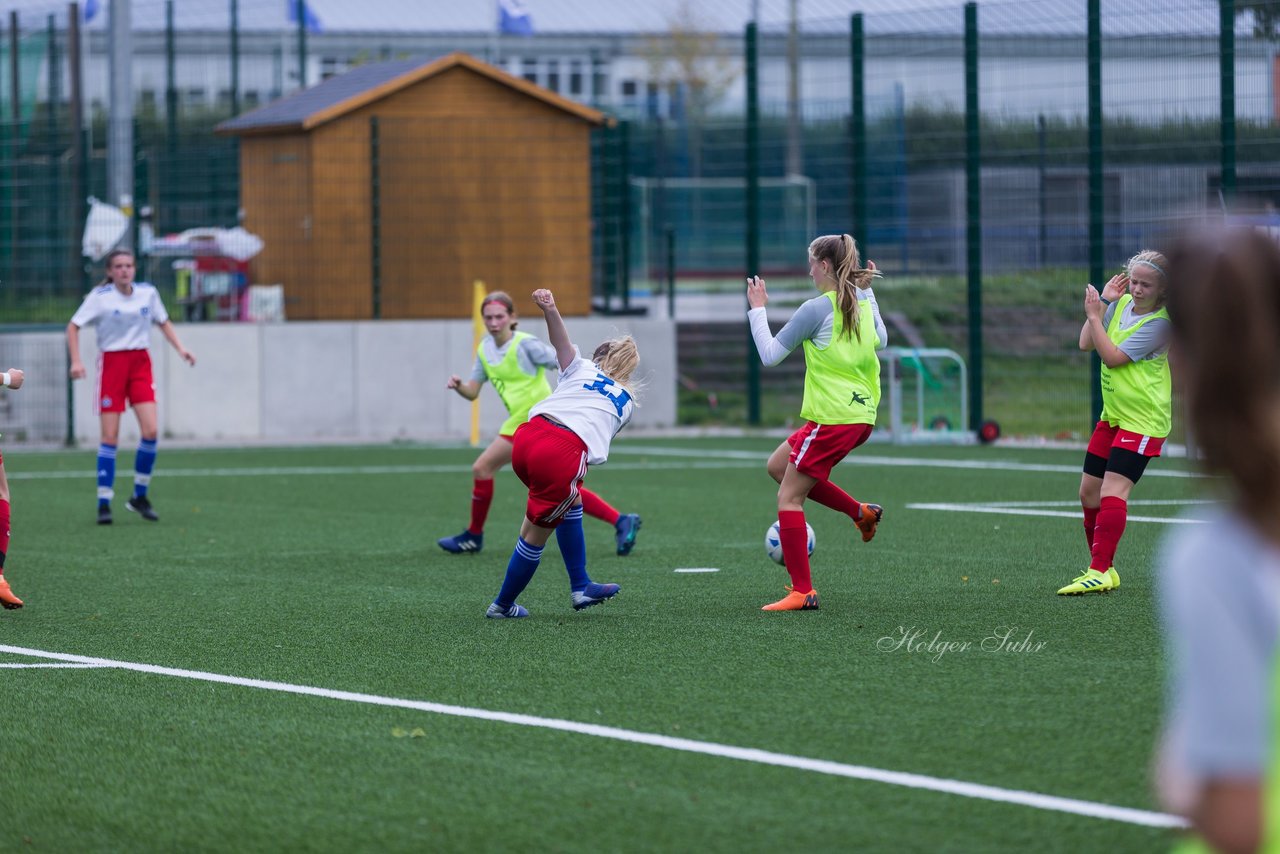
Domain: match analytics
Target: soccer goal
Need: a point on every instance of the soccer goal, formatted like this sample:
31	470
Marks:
709	216
926	390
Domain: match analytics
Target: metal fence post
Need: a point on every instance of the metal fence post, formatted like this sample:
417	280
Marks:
753	209
973	209
1227	73
859	228
375	215
1097	225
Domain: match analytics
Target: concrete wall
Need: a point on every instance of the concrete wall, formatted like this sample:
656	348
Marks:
371	381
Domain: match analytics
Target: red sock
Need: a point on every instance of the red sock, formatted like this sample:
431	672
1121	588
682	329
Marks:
481	498
828	494
4	532
1110	527
596	507
1090	522
795	548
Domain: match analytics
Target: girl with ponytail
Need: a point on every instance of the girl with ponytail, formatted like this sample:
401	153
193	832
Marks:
840	331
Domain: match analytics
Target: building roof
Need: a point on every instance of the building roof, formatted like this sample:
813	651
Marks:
365	84
1135	18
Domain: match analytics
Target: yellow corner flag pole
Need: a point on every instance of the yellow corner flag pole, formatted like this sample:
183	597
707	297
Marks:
477	323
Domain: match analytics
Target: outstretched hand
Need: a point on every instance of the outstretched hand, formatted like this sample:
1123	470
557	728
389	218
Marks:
1115	288
1093	306
545	299
757	295
15	377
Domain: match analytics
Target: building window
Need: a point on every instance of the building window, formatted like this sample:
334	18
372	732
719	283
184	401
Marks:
252	98
629	89
331	66
575	77
553	75
530	70
195	96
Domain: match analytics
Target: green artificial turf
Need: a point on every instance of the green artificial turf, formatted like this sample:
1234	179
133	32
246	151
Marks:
318	567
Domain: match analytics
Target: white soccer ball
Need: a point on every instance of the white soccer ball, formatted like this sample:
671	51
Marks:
773	543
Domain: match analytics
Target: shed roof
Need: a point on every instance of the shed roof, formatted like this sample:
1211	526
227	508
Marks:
365	84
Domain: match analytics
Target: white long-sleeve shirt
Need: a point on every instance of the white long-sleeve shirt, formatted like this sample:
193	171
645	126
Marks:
813	321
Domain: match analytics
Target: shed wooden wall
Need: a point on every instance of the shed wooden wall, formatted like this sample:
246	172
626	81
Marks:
478	181
275	192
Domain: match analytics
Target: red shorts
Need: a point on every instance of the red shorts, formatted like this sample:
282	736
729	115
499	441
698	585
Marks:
1106	436
551	461
817	448
124	375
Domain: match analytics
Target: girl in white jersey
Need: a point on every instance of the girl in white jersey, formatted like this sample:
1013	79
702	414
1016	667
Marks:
123	312
566	432
840	331
11	378
515	363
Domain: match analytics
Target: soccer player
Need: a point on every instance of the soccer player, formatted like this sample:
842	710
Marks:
1220	581
123	312
11	378
841	331
566	432
516	363
1129	327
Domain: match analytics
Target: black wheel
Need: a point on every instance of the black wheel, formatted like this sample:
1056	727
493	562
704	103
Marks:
940	422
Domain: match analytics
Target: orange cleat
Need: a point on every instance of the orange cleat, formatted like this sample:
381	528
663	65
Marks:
871	514
7	599
794	601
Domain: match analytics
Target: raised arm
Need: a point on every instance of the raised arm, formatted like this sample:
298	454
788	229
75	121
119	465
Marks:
556	331
1112	356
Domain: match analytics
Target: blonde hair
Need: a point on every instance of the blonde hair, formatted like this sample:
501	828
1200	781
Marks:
1224	302
1156	261
841	252
618	359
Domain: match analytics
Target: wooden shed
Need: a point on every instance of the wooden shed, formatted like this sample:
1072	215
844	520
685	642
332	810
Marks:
387	191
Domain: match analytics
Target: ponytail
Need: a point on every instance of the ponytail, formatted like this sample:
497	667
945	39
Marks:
841	252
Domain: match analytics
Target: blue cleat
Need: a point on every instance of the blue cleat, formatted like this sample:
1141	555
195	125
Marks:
464	543
594	595
627	526
513	612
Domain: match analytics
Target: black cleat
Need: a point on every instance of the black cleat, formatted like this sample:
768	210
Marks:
104	514
140	505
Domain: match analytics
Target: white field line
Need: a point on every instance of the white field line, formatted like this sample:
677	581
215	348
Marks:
1145	502
1062	514
745	754
691	458
67	665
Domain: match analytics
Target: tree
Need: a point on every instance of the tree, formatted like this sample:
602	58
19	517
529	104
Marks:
689	62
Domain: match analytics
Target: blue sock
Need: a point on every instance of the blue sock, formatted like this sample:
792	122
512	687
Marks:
573	548
520	570
142	466
106	472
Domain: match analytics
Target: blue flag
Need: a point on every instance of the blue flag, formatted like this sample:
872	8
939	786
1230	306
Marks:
90	10
514	18
313	21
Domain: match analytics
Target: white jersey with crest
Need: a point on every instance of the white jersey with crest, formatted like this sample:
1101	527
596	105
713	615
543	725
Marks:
590	404
123	322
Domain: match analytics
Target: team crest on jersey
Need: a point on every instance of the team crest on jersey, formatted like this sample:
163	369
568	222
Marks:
145	311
